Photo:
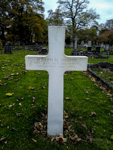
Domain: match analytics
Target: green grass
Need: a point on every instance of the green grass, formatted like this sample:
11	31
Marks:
106	74
19	130
94	61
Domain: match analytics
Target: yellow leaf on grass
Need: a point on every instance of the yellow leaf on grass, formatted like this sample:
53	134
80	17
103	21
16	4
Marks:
9	94
12	74
10	106
111	138
67	98
31	88
20	104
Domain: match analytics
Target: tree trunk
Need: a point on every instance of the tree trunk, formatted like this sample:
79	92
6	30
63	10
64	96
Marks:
3	37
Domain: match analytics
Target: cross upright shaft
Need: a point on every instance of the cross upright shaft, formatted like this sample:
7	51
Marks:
56	63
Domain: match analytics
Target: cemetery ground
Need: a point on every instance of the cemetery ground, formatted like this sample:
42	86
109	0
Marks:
88	111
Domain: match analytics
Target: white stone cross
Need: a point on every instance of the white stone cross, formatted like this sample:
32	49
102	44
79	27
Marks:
56	63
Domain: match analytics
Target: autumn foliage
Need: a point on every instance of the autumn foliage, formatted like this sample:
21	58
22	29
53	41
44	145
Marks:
106	36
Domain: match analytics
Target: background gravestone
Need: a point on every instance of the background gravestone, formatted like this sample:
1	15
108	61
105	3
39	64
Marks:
82	44
43	51
98	49
89	46
26	47
74	52
8	49
106	47
102	45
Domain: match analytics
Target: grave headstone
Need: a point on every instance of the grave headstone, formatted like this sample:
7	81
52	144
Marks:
71	45
98	49
82	44
107	47
102	45
43	51
89	46
74	52
8	49
56	63
26	47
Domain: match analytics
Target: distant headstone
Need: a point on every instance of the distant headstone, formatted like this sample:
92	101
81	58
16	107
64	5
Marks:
8	49
56	63
102	45
37	47
107	47
89	46
98	49
26	47
82	44
74	52
71	45
43	51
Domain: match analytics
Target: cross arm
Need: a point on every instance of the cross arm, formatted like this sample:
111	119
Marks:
36	62
75	63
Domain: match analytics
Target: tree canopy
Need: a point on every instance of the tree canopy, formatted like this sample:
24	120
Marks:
21	20
55	17
77	16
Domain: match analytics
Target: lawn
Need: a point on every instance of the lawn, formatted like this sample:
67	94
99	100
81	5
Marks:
89	110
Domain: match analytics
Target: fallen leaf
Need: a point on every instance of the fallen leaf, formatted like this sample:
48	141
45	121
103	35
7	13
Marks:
10	106
12	74
9	94
20	98
87	99
34	99
35	141
1	125
31	88
79	139
43	86
89	138
13	129
20	104
93	114
66	115
18	114
2	138
5	142
84	126
74	137
67	98
111	138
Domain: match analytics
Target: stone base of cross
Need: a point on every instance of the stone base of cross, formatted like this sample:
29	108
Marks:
56	63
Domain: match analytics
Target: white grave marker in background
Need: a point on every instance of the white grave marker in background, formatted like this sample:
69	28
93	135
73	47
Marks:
89	44
56	63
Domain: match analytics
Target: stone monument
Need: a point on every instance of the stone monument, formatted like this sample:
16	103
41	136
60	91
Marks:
56	63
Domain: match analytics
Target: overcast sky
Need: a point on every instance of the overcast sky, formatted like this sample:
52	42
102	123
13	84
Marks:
103	7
